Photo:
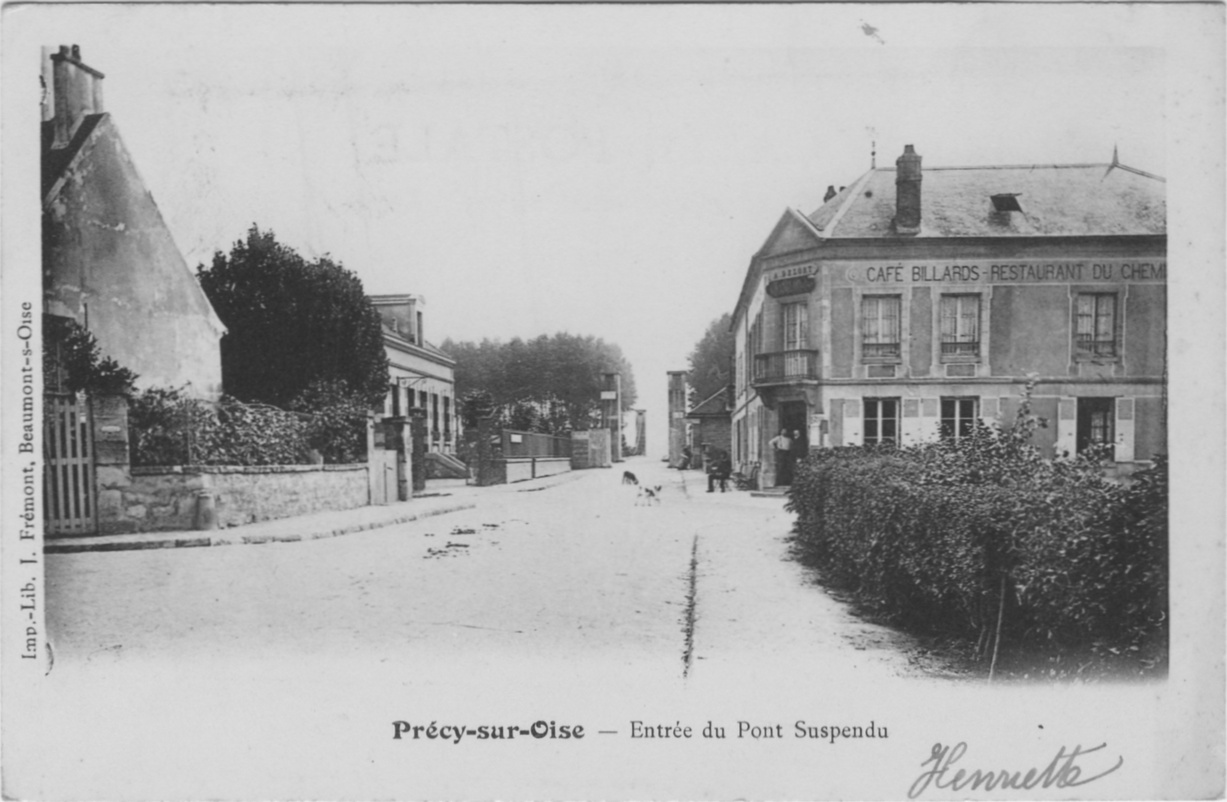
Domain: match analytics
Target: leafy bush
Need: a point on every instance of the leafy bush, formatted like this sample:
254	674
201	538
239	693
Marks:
257	434
73	361
336	426
168	428
953	537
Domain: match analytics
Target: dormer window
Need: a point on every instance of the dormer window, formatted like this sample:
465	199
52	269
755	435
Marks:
1006	202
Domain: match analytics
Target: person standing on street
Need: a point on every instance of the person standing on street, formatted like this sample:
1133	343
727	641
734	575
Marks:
719	468
798	452
781	446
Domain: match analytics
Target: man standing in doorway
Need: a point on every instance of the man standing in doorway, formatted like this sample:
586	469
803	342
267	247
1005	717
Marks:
781	445
800	450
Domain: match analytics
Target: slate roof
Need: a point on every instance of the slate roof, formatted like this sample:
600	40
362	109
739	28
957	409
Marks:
1055	200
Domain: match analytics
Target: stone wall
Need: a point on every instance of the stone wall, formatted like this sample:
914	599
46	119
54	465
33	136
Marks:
165	498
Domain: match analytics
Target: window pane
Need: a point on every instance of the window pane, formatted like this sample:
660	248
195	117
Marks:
949	318
1103	318
969	319
1086	316
869	319
890	315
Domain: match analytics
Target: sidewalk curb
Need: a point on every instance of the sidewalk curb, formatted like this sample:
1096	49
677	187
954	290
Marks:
185	542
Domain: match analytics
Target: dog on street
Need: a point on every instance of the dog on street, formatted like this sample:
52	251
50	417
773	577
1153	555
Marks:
648	495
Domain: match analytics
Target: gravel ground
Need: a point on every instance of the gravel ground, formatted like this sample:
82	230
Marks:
275	671
584	568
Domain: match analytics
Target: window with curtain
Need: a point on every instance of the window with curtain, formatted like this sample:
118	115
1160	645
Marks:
960	323
881	324
796	326
1096	326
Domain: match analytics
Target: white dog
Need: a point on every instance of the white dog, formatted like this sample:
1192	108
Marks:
648	495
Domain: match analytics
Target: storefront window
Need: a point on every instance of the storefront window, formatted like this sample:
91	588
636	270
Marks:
881	420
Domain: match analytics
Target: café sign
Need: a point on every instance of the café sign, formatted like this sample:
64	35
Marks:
1009	272
795	285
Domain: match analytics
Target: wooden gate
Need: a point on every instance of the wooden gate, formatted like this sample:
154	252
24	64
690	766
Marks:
383	476
69	488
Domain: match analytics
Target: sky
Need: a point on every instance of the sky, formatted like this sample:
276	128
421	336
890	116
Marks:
601	170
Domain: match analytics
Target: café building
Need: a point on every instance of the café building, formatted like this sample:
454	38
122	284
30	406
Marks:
916	301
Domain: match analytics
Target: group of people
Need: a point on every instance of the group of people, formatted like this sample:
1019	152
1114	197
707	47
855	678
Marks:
788	449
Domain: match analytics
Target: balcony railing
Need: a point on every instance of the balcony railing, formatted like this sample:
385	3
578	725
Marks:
1096	348
961	348
785	366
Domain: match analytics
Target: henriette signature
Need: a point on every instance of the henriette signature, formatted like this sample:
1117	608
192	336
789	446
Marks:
1062	771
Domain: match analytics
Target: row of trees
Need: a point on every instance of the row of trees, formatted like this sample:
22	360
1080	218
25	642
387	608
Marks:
547	384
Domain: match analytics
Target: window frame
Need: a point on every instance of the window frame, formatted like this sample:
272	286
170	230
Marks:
1084	420
795	332
877	351
877	418
962	424
1095	352
956	355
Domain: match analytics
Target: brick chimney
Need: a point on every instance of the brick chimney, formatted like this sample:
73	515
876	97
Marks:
77	92
907	192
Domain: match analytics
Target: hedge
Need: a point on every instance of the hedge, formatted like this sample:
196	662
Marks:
168	428
983	541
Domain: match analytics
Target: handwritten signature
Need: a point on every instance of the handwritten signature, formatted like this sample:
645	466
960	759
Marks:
1062	771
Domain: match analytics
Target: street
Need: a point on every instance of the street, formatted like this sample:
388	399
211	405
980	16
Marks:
563	600
693	585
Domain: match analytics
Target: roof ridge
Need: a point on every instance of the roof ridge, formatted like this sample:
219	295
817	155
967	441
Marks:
1035	166
853	193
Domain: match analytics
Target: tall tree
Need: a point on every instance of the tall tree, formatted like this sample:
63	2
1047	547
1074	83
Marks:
292	323
559	377
711	361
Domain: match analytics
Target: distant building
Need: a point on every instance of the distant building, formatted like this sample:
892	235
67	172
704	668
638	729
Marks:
422	376
914	302
109	261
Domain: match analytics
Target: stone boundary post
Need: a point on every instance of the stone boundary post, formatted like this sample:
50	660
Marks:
417	437
113	471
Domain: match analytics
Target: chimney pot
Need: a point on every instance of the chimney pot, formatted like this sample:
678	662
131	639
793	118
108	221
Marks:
907	191
830	193
77	91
